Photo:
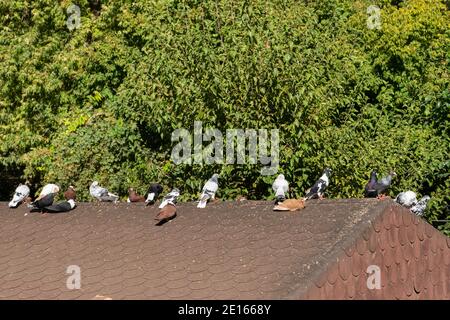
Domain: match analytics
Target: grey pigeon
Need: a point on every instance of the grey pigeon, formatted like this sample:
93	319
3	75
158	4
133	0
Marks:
102	194
209	190
20	194
153	193
62	206
420	206
318	189
406	199
171	197
382	185
280	186
369	190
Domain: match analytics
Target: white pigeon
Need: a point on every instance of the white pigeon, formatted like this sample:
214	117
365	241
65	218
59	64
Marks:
419	208
280	186
171	197
22	191
48	189
209	191
102	194
407	198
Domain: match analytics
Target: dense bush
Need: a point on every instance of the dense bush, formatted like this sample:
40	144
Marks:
101	101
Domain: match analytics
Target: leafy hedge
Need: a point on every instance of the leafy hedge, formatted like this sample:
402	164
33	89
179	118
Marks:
101	101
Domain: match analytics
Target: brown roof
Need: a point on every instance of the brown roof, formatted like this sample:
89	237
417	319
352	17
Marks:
230	250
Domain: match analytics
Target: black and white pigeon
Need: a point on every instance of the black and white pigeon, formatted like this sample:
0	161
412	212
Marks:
318	189
102	194
209	191
153	193
170	197
280	186
406	199
419	208
369	190
382	185
63	206
40	204
20	194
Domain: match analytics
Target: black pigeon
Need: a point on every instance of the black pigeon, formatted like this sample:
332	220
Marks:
40	204
370	191
319	187
382	185
153	193
62	206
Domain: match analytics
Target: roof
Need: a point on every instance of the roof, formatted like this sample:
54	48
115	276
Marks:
230	250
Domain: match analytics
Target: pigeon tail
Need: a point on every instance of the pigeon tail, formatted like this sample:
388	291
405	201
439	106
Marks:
202	204
163	204
280	208
150	197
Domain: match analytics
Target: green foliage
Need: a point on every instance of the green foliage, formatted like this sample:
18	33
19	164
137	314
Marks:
101	101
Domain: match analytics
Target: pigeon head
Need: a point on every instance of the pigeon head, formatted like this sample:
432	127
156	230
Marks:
392	173
94	184
72	188
175	190
425	199
215	177
131	191
373	175
280	176
327	171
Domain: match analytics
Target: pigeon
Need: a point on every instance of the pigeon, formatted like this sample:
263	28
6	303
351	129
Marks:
170	197
20	194
280	186
48	189
419	208
62	206
39	204
382	185
70	193
406	199
153	193
319	187
134	197
290	205
167	213
370	192
101	193
209	190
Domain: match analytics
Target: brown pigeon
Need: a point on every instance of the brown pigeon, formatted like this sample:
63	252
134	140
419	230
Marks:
290	205
134	197
70	193
167	213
